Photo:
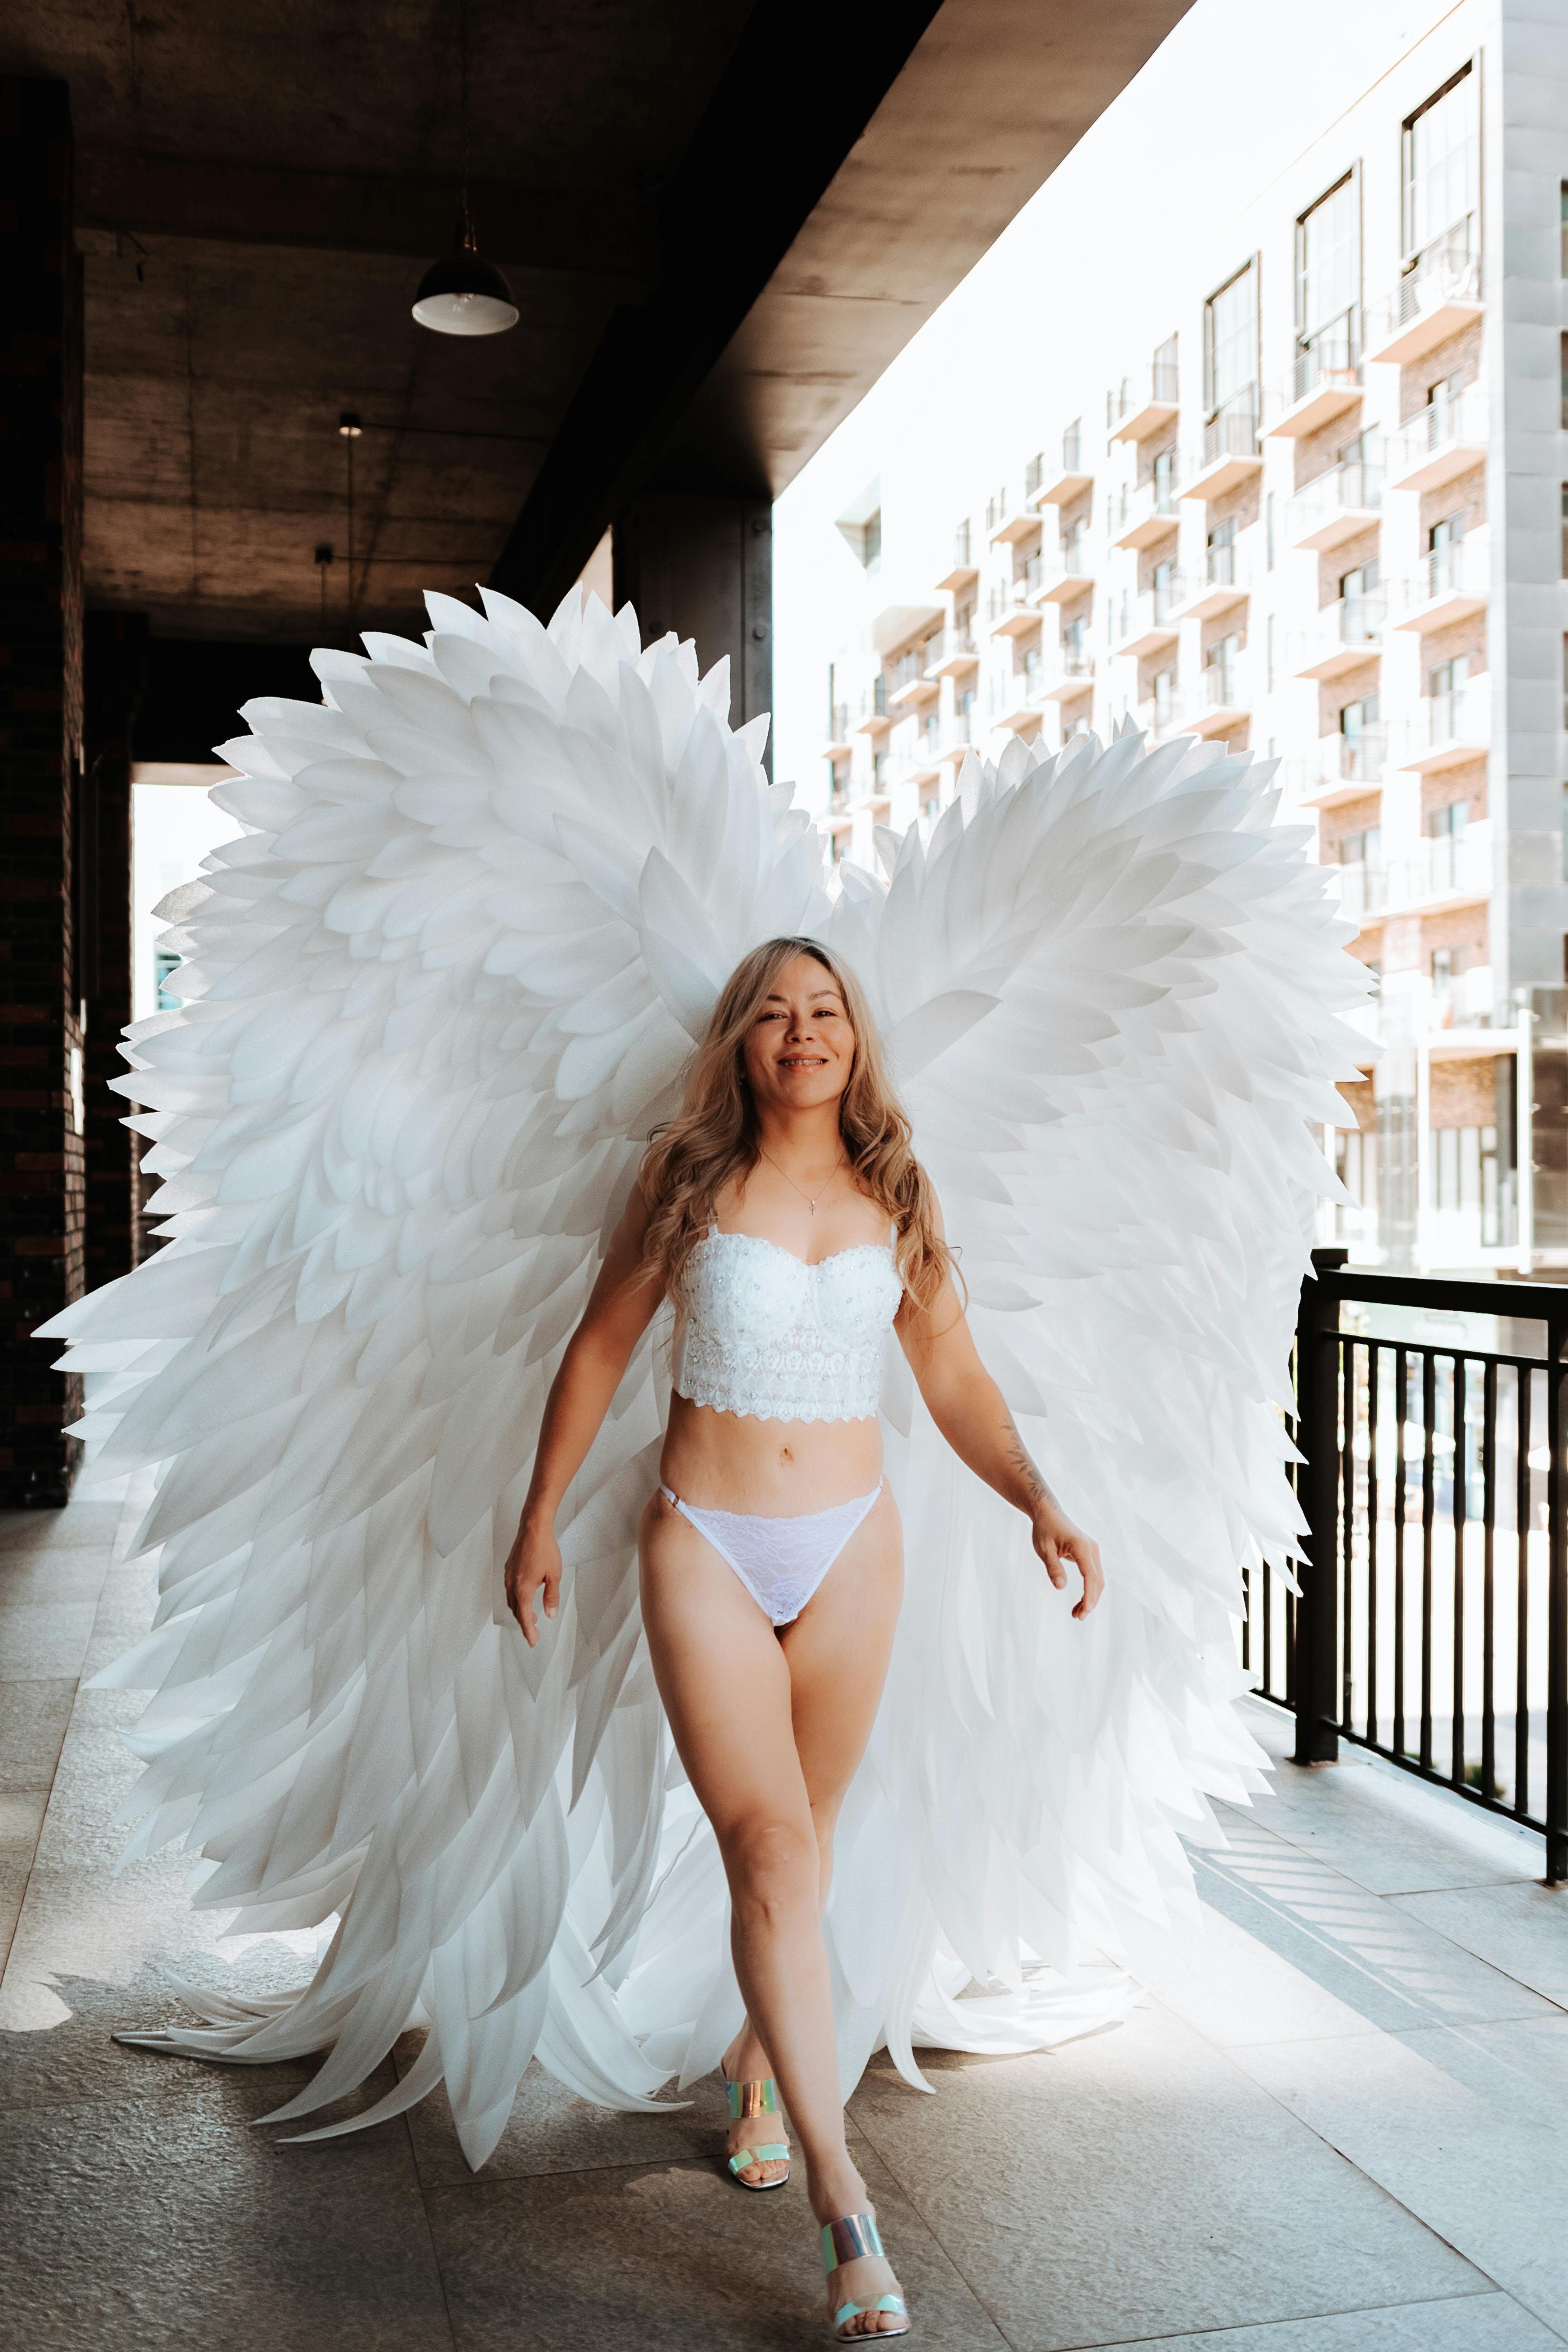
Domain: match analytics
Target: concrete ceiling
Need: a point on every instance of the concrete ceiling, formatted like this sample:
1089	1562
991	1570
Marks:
720	221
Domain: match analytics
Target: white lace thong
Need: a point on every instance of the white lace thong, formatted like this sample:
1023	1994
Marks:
781	1562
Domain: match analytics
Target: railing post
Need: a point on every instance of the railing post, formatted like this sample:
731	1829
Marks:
1316	1678
1555	1811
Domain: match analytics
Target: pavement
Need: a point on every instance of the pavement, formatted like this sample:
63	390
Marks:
1338	2122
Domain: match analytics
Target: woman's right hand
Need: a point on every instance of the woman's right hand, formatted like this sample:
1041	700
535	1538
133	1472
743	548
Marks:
533	1564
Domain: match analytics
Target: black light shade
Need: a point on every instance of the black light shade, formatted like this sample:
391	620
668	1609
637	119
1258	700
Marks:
464	294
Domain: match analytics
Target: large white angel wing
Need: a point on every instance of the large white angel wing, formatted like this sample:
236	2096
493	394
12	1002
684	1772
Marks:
436	995
1112	990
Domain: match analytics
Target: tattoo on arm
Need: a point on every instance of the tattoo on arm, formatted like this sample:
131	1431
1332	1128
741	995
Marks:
1035	1485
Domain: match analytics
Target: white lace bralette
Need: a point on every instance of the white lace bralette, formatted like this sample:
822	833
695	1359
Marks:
765	1334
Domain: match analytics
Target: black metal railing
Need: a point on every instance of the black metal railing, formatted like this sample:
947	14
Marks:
1432	1623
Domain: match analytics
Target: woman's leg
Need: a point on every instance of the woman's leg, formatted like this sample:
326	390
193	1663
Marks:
750	1713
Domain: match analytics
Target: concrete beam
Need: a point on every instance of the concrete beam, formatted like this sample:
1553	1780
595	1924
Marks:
604	234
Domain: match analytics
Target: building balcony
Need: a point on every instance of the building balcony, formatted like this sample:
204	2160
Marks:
1340	768
953	654
1455	870
1340	505
1224	581
1143	516
1324	382
1143	403
1009	612
957	738
1068	672
1222	701
837	742
1143	622
1444	731
963	570
1058	574
1363	891
916	762
871	714
1440	442
1451	585
1016	699
1058	485
1438	294
907	683
1009	520
1346	634
1230	451
1160	716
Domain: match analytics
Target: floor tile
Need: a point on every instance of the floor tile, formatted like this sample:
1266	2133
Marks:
668	2255
552	2130
81	1522
1490	2182
1139	2185
164	2222
21	1818
1522	1931
33	1719
1521	2065
43	1640
1380	1958
62	1573
1470	2323
1390	1831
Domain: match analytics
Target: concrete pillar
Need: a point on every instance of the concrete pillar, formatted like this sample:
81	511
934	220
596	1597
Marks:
115	667
41	1063
703	567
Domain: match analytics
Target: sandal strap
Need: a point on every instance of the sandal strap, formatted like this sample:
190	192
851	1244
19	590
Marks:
846	2240
884	2303
747	2099
776	2152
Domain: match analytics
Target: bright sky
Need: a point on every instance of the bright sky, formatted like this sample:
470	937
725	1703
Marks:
1227	101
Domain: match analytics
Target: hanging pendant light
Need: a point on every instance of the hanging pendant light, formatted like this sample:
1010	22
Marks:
464	294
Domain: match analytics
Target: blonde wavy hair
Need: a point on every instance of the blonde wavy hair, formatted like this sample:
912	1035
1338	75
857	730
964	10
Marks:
713	1137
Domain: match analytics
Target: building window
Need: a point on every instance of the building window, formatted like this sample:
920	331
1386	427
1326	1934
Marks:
1362	849
961	548
1449	823
1072	446
1220	667
930	807
1441	146
1164	698
1327	286
1230	367
1222	554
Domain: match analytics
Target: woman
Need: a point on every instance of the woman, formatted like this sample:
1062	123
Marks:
785	1216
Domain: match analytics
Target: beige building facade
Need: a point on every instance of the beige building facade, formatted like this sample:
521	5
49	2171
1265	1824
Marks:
1319	509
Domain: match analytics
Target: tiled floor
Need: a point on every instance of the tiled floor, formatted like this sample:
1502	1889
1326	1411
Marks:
1339	2123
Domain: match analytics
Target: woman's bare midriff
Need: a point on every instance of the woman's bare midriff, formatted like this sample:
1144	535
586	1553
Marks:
773	1469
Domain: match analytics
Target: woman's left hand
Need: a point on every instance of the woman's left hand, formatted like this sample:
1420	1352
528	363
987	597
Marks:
1058	1541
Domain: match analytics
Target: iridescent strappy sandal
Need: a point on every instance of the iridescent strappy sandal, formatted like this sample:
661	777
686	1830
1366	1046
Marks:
845	2241
747	2099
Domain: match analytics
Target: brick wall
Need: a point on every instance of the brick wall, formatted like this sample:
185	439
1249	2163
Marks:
42	1195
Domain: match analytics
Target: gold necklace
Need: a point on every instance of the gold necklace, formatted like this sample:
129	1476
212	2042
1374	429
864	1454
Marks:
842	1161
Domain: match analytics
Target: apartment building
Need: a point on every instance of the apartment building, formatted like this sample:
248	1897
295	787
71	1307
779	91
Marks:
1322	512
